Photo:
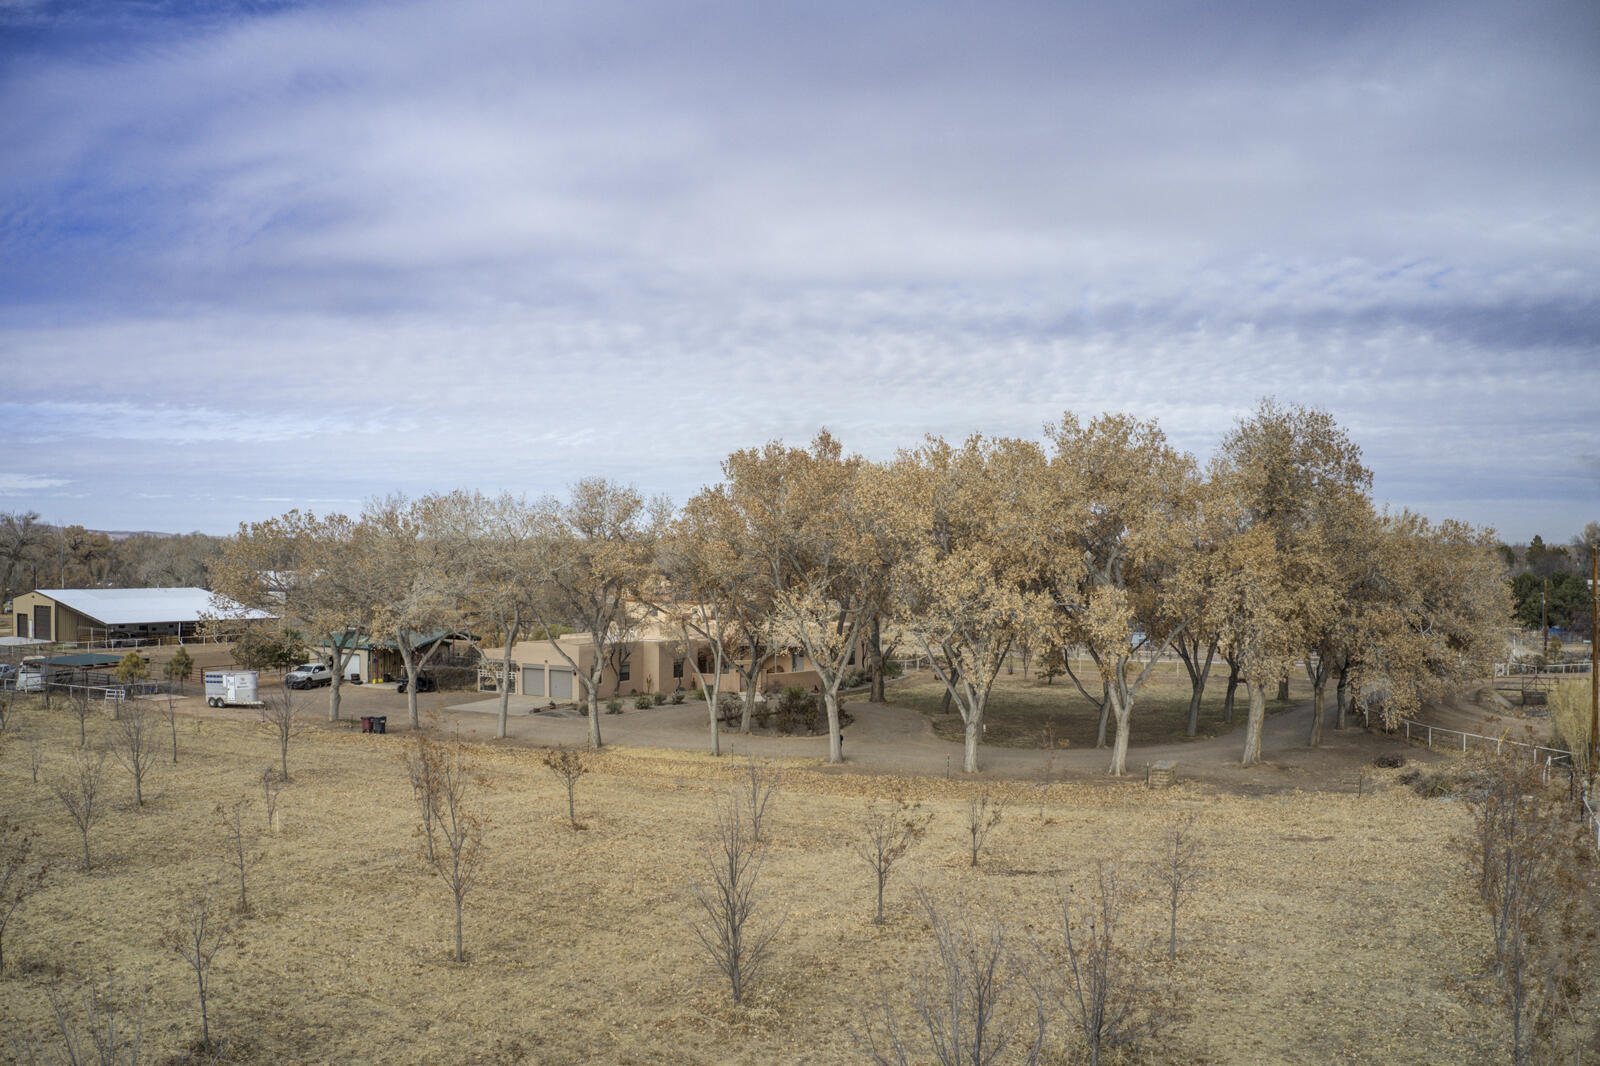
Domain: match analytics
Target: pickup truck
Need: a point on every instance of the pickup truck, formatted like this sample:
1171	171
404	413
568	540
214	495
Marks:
309	676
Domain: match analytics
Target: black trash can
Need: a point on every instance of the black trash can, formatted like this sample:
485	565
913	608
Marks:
380	723
366	723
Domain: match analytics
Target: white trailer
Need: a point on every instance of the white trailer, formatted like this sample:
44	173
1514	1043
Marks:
232	687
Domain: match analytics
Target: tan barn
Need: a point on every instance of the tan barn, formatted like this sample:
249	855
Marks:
102	617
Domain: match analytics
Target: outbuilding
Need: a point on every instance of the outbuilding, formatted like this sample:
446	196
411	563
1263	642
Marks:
120	616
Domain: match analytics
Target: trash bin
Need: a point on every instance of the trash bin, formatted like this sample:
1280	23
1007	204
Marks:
366	723
380	723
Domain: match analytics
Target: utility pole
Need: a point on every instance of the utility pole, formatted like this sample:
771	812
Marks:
1594	661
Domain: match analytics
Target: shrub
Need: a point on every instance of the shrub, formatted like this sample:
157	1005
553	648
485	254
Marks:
677	697
657	699
1391	761
641	702
613	706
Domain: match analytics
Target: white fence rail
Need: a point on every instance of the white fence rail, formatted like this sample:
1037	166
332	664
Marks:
1429	734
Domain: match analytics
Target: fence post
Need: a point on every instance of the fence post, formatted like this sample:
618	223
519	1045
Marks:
1430	736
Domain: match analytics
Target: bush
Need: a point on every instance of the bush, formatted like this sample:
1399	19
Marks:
657	699
613	706
641	702
1391	761
677	697
730	709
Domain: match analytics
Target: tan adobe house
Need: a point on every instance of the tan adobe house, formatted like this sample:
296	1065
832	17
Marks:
654	661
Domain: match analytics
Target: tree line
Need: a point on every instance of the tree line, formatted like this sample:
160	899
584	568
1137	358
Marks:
36	554
1100	537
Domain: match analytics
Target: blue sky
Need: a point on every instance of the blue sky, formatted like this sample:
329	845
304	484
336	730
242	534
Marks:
263	254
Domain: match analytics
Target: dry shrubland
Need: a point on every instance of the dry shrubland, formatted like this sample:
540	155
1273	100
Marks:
1331	927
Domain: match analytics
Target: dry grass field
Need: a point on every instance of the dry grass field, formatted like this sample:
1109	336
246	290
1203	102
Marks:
1020	709
1335	929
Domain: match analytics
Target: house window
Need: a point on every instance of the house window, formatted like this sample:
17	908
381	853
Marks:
799	661
703	661
625	671
677	667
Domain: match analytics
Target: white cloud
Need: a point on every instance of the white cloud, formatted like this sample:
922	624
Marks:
27	484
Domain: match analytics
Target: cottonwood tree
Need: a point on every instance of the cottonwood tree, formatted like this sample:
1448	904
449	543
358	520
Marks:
493	540
180	667
200	931
280	713
888	831
79	793
813	519
595	553
22	873
421	585
458	855
966	587
729	898
715	597
1094	979
22	541
311	570
974	1001
568	765
1121	509
1288	474
134	744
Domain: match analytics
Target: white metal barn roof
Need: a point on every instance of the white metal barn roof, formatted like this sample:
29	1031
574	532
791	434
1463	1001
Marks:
121	607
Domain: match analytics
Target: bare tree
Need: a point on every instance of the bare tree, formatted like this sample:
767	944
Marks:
1180	868
270	786
888	832
200	932
1094	980
568	764
984	812
728	898
35	757
22	873
133	744
241	856
762	782
458	858
79	793
170	714
280	713
105	1037
78	704
1521	845
423	765
973	1002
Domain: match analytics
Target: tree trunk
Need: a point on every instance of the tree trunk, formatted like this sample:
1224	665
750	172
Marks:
969	755
830	700
593	696
333	695
1105	714
713	698
459	957
1257	716
749	703
875	650
1316	710
1341	698
1119	750
1283	690
1227	702
503	726
1197	681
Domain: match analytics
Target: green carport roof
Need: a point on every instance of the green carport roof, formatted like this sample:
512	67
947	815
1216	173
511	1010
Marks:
87	658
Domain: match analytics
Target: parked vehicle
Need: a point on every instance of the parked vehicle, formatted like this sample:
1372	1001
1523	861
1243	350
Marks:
309	676
425	683
232	688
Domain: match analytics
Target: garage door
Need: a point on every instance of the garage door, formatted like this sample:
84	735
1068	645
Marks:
560	684
533	681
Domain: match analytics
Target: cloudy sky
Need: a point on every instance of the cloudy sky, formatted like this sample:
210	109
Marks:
256	255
